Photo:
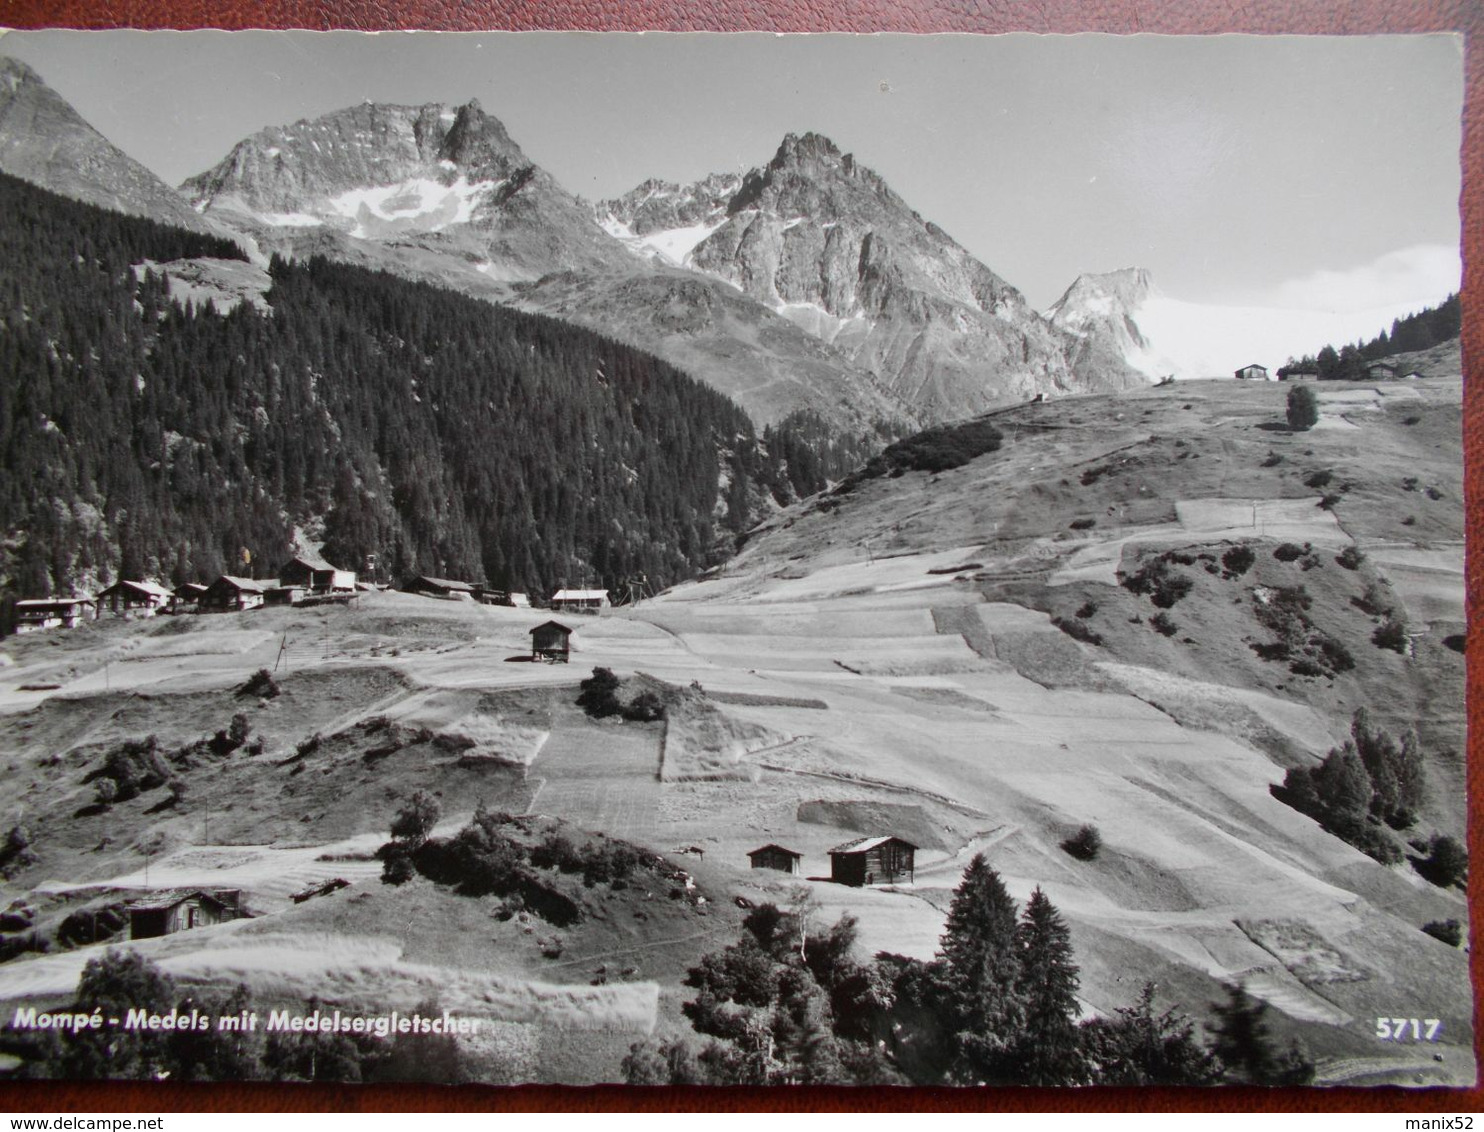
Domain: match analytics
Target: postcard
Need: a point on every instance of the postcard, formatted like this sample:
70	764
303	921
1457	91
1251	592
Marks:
732	559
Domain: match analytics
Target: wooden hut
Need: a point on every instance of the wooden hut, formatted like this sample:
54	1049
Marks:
1254	372
550	641
180	909
133	599
872	860
580	601
776	857
446	588
187	596
230	594
314	575
34	614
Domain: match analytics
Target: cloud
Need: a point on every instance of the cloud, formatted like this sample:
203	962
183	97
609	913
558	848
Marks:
1413	277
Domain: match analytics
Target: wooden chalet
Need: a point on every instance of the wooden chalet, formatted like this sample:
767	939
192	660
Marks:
316	576
285	595
1253	372
180	909
446	588
520	600
1380	371
187	596
34	614
550	641
776	857
1299	372
872	860
580	601
230	594
133	599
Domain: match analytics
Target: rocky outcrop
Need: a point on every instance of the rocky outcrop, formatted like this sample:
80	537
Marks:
826	243
434	177
45	141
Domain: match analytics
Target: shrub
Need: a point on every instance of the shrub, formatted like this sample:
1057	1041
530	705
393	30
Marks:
397	868
1350	558
646	707
415	820
1163	624
1410	521
134	766
1391	635
1238	560
598	695
1087	609
1077	630
1085	844
260	684
1329	501
1303	408
1272	461
1163	585
937	449
1319	479
1458	642
1083	524
239	729
557	852
1449	931
1447	862
1375	601
1288	552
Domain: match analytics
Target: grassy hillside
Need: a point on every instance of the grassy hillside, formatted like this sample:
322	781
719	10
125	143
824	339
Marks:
950	656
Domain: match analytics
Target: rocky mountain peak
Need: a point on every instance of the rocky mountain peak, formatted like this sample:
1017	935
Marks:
479	143
45	141
802	149
13	73
1128	287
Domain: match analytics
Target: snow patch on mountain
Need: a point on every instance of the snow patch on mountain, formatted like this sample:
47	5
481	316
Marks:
665	245
417	203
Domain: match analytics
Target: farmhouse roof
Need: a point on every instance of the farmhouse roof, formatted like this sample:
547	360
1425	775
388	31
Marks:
773	845
552	625
313	561
39	602
444	583
170	897
252	585
579	595
865	844
154	589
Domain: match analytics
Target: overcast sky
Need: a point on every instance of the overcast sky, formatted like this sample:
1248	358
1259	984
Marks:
1288	170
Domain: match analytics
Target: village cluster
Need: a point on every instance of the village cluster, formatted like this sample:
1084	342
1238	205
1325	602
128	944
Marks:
305	579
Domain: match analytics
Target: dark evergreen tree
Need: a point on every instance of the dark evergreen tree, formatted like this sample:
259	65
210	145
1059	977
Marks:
1244	1044
979	948
1139	1047
1048	1049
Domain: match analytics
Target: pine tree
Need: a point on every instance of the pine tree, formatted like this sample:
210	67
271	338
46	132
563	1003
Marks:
1244	1044
979	948
1048	1051
1139	1047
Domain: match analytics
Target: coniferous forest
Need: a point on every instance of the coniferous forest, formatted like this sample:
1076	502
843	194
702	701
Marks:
442	434
1421	331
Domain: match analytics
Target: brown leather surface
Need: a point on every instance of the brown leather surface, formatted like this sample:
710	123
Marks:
1184	17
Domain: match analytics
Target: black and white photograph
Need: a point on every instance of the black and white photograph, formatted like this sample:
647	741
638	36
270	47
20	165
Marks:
732	559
